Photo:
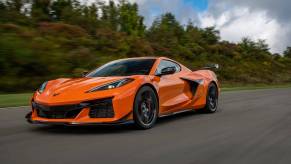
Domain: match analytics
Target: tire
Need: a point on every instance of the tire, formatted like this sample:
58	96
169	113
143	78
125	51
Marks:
146	108
211	99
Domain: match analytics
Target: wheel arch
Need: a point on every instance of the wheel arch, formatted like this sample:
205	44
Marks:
153	88
216	85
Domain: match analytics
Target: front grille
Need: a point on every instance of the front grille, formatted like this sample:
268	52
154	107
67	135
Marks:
101	108
57	112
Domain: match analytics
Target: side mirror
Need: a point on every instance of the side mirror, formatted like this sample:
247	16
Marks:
167	71
84	73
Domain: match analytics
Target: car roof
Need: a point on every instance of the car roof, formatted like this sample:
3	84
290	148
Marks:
148	57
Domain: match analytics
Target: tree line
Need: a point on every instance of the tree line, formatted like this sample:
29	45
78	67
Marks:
46	39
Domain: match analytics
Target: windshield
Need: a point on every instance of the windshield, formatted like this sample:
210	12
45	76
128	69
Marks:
126	67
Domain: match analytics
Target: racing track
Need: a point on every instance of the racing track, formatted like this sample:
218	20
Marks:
250	127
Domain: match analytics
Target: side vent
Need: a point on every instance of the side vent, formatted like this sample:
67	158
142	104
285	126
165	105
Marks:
193	85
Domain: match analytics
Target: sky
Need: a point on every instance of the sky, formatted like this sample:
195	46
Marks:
257	19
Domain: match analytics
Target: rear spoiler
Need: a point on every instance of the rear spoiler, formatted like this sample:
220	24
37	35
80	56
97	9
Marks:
208	67
211	66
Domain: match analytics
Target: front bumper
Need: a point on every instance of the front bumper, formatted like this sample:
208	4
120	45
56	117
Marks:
122	121
83	112
100	108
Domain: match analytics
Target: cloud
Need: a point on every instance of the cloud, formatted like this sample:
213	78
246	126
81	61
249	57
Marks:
278	9
240	22
257	19
260	19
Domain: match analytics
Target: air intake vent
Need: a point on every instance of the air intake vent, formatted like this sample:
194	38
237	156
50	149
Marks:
57	112
101	108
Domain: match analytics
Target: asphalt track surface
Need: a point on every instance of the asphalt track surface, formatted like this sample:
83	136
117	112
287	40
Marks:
250	127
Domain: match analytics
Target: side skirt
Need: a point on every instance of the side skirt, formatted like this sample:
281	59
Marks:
182	111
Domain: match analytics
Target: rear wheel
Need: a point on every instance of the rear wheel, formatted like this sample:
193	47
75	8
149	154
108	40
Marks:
145	110
211	99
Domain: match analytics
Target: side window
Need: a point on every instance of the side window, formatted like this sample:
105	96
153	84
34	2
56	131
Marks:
167	63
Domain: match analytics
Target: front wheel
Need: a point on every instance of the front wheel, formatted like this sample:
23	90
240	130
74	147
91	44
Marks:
145	112
211	99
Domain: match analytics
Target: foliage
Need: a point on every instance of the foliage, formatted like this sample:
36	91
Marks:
287	52
61	38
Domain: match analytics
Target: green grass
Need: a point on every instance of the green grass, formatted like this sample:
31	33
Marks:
229	87
22	99
12	100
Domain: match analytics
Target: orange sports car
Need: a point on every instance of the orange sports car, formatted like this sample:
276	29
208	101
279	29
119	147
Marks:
137	90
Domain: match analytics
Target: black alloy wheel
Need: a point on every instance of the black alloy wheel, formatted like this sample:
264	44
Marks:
145	108
211	99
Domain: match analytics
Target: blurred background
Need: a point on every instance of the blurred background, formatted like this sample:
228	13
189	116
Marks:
48	39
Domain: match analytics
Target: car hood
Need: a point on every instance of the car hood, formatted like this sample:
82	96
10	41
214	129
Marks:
61	90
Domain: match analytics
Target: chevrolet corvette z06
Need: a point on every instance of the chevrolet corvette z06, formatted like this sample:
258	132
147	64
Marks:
138	90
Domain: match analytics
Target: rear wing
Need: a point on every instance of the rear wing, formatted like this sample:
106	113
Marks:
209	67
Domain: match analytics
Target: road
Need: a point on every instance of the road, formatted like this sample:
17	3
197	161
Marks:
250	127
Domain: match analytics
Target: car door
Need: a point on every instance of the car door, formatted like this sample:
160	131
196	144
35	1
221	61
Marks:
171	87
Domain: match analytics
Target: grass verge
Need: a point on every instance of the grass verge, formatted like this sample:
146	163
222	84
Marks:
252	87
22	99
12	100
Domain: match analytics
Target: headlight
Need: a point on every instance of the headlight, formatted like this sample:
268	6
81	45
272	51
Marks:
42	87
111	85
